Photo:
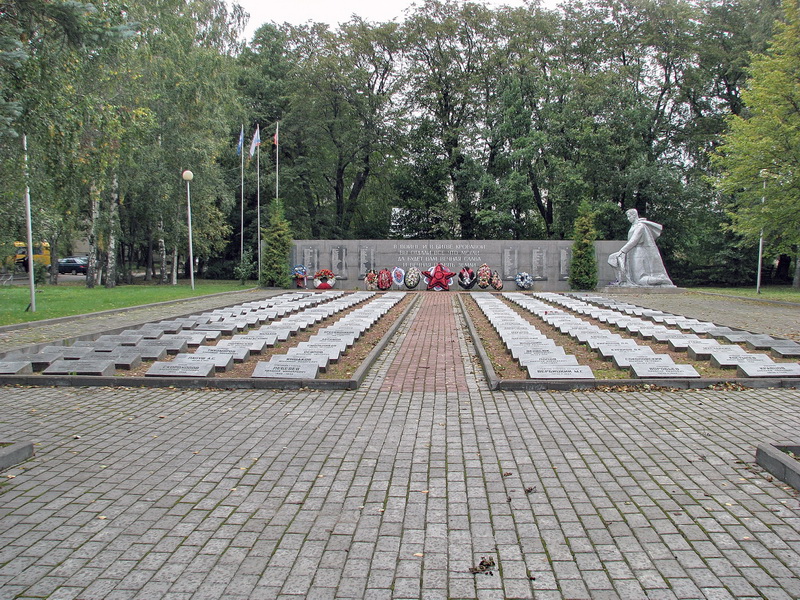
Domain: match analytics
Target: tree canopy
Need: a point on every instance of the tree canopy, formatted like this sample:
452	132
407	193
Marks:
463	121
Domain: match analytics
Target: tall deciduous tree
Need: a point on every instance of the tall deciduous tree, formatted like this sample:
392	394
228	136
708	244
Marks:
760	158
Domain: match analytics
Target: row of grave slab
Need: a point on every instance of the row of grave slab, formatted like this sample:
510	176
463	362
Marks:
236	332
204	344
543	359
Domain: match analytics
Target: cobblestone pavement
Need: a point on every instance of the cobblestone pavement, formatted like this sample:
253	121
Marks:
378	493
772	318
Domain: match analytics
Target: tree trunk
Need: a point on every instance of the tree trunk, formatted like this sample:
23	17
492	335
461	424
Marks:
91	268
796	278
174	266
113	228
162	253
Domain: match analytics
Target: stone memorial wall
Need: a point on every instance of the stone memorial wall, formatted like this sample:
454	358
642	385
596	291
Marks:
546	261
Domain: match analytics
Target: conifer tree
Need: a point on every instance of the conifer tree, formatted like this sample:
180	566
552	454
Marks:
277	240
583	267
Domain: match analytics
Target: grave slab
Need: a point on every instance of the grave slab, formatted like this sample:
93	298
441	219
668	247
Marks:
122	340
82	366
724	360
172	346
184	369
283	370
255	344
11	367
785	352
221	362
623	361
664	371
557	372
239	354
776	370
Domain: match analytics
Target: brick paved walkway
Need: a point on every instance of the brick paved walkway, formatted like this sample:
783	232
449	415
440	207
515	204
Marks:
430	357
378	493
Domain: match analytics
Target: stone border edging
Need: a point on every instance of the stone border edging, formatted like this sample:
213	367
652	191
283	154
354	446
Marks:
486	364
772	458
14	454
212	382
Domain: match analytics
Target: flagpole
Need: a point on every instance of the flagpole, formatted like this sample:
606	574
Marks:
241	223
277	142
258	205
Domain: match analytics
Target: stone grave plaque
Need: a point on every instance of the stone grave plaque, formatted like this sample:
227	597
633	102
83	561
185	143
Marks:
275	370
682	344
181	369
255	344
700	351
225	328
339	261
310	259
122	340
97	346
775	370
82	366
366	260
221	362
520	353
559	372
121	358
151	353
10	367
786	351
539	264
238	354
170	345
563	264
39	361
333	349
666	336
760	342
347	338
568	360
609	349
623	361
321	356
70	352
510	263
192	339
728	360
664	371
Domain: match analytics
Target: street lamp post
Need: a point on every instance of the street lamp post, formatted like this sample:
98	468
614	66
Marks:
187	177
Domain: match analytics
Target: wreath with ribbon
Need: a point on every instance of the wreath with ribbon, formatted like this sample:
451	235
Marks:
371	279
299	274
324	279
524	281
398	275
412	278
384	280
466	278
496	282
484	276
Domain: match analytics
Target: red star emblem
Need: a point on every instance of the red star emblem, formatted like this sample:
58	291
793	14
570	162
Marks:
439	278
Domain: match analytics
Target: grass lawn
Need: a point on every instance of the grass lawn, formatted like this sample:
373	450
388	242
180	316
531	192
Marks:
782	293
67	299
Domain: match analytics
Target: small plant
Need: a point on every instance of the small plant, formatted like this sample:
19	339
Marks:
246	267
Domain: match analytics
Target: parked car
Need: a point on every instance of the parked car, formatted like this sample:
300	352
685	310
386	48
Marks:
73	264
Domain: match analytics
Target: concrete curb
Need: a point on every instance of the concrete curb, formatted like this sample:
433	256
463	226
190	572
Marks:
773	458
488	370
15	454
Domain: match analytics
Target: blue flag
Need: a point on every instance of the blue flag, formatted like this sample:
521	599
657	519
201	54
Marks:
255	143
241	142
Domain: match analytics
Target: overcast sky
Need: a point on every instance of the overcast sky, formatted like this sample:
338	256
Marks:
332	12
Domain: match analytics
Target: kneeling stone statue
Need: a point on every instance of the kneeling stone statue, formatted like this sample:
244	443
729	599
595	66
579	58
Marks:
638	263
